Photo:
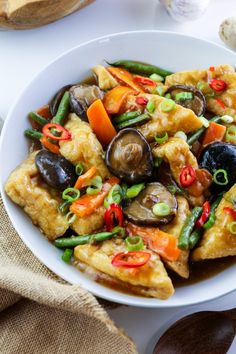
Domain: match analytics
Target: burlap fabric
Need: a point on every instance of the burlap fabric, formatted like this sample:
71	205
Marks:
41	313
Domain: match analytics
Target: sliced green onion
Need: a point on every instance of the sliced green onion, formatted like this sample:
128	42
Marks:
150	106
64	207
167	105
114	196
67	254
70	217
133	191
217	177
159	90
227	119
119	231
181	135
206	89
171	188
134	243
168	95
231	227
204	121
158	161
161	209
156	77
71	194
95	186
162	139
79	169
183	96
230	135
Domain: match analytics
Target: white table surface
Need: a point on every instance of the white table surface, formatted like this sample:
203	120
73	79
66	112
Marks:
24	53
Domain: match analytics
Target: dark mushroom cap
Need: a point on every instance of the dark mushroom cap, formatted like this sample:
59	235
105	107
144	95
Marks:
129	156
82	96
55	170
197	104
139	211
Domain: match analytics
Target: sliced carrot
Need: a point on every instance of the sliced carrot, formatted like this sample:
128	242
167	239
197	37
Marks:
115	98
84	179
215	132
87	204
48	145
125	77
44	111
158	241
100	122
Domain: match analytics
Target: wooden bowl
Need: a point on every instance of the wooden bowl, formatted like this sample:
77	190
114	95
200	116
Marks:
25	14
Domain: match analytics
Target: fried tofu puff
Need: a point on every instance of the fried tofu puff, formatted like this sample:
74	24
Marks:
150	279
25	187
227	103
218	242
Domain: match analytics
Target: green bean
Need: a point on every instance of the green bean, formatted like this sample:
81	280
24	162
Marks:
125	116
195	136
38	118
195	237
141	68
211	220
73	241
33	134
183	242
63	109
134	121
66	257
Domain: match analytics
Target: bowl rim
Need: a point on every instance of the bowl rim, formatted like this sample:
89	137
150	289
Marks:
125	299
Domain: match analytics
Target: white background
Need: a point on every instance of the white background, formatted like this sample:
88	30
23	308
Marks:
24	53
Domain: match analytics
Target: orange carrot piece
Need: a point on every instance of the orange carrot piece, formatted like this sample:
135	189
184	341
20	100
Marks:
83	180
115	98
87	204
158	241
100	122
48	145
215	132
44	112
125	77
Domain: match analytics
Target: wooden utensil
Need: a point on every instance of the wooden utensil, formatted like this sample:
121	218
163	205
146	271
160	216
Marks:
205	332
23	14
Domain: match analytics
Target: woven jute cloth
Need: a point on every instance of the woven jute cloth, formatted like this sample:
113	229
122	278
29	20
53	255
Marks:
41	313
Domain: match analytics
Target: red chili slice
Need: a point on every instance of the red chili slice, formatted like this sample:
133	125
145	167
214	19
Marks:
144	80
63	133
230	211
187	176
141	100
212	68
113	216
221	103
218	85
131	259
205	214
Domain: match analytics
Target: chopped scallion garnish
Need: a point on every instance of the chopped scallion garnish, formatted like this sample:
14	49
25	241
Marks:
183	96
161	209
70	194
161	139
167	105
221	177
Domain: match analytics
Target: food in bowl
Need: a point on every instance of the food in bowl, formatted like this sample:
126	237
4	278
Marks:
132	174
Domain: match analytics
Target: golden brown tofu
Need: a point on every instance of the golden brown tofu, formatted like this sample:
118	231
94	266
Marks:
105	80
84	146
218	242
177	154
39	201
180	266
223	72
89	224
152	276
179	118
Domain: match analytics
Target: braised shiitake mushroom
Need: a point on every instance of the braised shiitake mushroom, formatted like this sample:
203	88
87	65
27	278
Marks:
196	101
129	156
140	210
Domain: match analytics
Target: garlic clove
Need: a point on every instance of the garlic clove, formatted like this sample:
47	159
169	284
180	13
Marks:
185	10
227	32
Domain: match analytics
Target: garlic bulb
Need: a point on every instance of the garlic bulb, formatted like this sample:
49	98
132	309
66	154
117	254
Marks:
185	10
227	32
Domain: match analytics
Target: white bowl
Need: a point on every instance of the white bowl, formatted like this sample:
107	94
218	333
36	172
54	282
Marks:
168	50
